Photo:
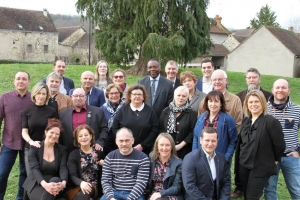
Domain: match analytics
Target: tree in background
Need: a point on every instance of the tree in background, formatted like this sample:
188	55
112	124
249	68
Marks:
265	17
165	29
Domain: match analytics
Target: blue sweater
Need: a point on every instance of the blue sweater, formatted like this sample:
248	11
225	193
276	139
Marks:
227	134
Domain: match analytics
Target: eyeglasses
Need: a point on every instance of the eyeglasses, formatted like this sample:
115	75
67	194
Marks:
251	77
217	79
114	93
78	95
137	94
120	77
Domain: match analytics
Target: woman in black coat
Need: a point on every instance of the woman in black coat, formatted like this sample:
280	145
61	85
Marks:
260	146
179	120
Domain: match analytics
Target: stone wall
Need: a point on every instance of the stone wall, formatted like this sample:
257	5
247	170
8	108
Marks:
231	43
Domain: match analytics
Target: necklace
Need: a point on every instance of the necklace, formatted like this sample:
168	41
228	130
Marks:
137	112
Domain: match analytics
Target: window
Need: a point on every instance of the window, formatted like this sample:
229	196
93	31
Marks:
45	48
29	48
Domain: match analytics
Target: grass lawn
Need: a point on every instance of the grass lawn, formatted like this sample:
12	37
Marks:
236	83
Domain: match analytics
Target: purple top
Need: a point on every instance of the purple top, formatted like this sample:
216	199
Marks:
12	104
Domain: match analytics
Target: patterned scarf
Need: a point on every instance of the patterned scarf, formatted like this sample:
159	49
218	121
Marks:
113	112
171	127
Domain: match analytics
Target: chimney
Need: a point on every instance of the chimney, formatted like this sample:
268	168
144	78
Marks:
291	28
218	19
45	12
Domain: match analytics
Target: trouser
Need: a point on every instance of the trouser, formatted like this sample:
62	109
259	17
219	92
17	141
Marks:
7	159
39	193
122	195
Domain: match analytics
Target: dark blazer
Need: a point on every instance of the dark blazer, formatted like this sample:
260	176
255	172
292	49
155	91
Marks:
199	84
35	158
74	166
197	178
95	119
243	94
177	83
164	93
95	98
269	146
172	181
68	84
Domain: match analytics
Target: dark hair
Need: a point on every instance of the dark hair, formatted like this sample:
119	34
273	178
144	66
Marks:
53	122
209	130
54	63
23	72
81	127
111	86
212	95
154	59
136	87
253	70
206	61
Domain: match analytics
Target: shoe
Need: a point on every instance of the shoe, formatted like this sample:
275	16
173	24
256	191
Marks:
237	194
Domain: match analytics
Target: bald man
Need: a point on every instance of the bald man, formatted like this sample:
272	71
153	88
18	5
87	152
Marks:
94	96
81	113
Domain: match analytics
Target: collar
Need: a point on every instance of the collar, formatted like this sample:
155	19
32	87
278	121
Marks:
83	108
90	92
139	109
208	156
18	94
157	78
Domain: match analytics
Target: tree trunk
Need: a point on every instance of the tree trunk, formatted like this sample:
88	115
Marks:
140	67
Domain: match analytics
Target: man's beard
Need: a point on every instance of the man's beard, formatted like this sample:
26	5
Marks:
253	87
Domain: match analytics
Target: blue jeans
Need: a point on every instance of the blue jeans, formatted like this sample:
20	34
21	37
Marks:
290	167
121	195
7	160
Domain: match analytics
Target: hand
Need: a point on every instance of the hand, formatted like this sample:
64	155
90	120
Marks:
293	153
276	162
101	162
61	185
155	196
138	147
51	188
37	144
98	147
178	147
86	187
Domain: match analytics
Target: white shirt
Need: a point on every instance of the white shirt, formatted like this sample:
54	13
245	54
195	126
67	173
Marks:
62	88
137	109
212	165
207	87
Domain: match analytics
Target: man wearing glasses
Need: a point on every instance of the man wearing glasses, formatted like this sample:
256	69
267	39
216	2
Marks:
204	83
81	113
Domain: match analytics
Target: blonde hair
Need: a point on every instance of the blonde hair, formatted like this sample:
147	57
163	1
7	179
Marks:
97	73
36	89
262	99
155	153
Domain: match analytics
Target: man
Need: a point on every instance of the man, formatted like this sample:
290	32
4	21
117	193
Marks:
125	170
233	103
205	173
57	100
12	104
66	83
79	114
160	90
253	82
282	108
172	71
204	84
95	96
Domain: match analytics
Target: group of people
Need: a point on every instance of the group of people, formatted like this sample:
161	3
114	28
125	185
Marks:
161	138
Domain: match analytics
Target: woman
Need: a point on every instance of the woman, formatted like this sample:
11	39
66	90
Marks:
165	170
189	80
260	146
35	118
139	118
102	75
119	78
114	102
84	165
215	116
48	166
178	119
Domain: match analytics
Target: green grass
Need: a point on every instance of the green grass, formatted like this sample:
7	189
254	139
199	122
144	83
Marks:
236	83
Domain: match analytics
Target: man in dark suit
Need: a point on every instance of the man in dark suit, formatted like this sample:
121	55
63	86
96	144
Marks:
94	96
66	83
204	84
79	114
160	90
205	173
171	70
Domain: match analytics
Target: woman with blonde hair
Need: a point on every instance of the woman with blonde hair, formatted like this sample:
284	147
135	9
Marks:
102	78
165	170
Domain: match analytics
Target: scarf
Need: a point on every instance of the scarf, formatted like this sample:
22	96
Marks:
171	127
278	106
113	112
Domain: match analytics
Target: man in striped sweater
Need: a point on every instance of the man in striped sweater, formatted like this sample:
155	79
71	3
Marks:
125	171
282	108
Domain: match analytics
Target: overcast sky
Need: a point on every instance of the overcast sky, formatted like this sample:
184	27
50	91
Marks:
235	13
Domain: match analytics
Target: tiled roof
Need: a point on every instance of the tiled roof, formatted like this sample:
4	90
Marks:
30	20
287	38
220	29
83	42
218	50
244	32
240	39
65	32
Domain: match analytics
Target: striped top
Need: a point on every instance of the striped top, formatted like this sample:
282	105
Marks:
126	173
289	118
